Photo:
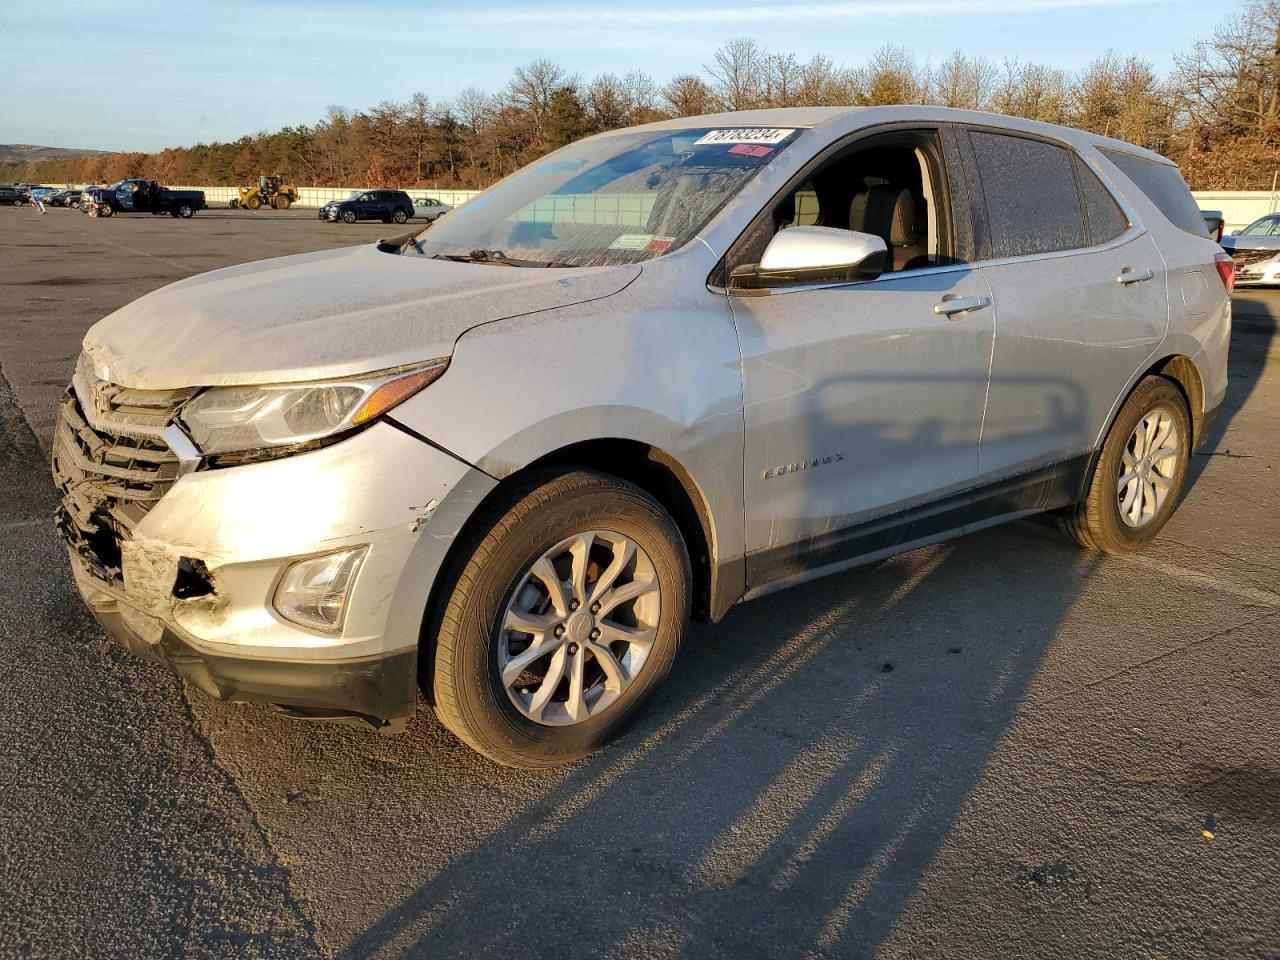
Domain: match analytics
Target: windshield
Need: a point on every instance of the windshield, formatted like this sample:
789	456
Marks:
1266	227
625	198
357	195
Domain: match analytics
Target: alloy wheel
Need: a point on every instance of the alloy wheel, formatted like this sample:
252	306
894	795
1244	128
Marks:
1148	467
578	628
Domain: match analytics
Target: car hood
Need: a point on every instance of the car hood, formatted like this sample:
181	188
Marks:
319	315
1250	243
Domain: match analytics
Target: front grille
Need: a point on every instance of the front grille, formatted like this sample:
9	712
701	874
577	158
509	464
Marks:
1244	258
111	467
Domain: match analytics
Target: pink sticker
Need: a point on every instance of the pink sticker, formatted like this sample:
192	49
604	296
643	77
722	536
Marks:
751	150
657	246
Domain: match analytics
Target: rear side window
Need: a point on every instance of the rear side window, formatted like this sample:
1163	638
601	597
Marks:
1102	214
1164	186
1031	198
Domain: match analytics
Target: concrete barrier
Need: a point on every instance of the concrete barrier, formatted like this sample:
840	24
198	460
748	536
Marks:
315	197
1239	207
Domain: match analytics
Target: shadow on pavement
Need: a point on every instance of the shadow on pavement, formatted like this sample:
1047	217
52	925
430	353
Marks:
789	790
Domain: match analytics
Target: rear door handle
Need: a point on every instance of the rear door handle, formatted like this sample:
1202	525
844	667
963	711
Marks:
1129	275
952	306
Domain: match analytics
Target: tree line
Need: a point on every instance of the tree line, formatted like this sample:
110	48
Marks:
1217	113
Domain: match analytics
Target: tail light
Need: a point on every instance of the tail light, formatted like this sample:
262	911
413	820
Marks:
1226	270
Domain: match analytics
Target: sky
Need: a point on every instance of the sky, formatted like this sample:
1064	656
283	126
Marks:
144	74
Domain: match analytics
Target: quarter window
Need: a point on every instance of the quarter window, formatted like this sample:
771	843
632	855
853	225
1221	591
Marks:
1031	198
1164	186
1102	214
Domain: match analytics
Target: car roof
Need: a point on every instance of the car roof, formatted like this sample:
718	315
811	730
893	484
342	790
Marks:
840	120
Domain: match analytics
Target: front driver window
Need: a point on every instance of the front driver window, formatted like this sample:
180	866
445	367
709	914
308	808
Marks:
885	188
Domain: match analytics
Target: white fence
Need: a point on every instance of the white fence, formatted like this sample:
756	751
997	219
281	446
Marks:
319	196
1239	207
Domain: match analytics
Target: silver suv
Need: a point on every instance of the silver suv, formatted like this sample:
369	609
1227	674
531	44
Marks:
656	373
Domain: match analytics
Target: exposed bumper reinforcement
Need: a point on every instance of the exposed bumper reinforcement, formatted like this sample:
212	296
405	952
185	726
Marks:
380	692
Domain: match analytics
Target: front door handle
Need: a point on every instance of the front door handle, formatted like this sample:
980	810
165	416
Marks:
952	306
1129	275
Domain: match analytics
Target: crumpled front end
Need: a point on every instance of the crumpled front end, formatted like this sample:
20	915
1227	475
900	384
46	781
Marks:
183	564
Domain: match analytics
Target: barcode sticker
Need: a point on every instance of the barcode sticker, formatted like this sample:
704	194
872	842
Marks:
745	135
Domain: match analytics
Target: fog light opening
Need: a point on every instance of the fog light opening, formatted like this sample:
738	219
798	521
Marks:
313	593
193	579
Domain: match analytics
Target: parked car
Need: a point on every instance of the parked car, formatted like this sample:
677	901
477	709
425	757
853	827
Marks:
430	209
147	196
63	198
511	456
1256	251
389	206
11	194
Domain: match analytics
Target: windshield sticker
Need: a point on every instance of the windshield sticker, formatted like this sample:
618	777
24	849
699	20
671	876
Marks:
659	244
772	136
632	241
751	150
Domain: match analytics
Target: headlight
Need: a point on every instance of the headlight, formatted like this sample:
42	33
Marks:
277	419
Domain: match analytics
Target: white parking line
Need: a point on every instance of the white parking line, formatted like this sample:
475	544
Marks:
1266	598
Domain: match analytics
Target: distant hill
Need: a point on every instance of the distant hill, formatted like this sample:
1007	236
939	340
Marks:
22	152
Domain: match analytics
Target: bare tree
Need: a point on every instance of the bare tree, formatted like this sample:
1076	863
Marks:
643	96
964	82
738	74
687	95
890	76
607	102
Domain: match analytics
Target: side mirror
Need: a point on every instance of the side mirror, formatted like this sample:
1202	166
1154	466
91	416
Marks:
813	255
1236	233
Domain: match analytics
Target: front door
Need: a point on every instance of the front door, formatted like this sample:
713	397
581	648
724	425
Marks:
864	400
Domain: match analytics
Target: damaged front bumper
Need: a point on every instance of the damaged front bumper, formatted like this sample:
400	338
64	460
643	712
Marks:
180	565
378	691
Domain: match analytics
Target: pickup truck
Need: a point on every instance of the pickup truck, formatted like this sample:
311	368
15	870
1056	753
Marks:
147	196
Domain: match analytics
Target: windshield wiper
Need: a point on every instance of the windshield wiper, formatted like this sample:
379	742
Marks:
498	258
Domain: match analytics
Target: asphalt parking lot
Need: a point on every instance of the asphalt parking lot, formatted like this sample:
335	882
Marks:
995	747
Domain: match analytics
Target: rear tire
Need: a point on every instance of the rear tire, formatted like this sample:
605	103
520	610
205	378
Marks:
186	211
533	719
282	203
1138	477
400	217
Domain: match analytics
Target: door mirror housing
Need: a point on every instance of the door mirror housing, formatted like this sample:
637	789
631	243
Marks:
813	255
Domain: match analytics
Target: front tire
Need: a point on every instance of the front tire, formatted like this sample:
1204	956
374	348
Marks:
560	618
1139	475
348	216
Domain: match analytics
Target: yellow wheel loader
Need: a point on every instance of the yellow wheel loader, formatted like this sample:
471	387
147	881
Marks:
269	190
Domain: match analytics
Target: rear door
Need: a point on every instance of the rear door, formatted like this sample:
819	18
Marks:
1080	306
